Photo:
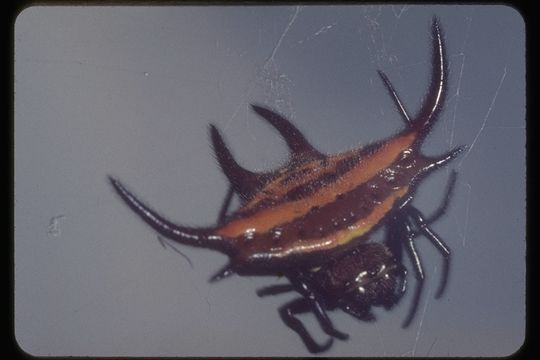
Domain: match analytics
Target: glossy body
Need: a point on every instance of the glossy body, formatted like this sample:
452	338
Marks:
311	219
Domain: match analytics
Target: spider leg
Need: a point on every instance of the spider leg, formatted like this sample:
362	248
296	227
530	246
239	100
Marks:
402	111
417	216
409	235
402	232
324	320
316	303
441	210
298	306
225	205
274	289
423	224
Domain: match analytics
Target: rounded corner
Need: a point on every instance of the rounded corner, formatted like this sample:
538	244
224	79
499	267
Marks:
519	349
515	12
20	348
21	11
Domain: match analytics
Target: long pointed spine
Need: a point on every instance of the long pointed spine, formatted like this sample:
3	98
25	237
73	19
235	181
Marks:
296	142
246	182
198	237
243	181
434	101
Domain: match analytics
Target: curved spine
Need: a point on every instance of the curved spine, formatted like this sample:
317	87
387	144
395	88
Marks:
243	181
296	142
198	237
434	101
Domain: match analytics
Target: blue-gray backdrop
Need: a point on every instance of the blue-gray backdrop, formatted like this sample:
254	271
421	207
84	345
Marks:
129	91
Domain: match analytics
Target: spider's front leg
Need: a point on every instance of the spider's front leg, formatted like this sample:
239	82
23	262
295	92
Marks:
317	304
310	302
298	306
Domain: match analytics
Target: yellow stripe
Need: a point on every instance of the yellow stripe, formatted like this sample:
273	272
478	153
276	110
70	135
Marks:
345	236
364	225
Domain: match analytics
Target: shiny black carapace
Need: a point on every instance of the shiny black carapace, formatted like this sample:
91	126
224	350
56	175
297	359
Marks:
311	219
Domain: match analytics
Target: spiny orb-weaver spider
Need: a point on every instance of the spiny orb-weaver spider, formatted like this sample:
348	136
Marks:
311	219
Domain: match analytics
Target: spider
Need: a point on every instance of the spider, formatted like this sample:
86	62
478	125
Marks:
311	219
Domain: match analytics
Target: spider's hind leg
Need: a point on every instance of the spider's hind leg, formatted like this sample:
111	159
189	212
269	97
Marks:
439	244
423	223
418	270
401	233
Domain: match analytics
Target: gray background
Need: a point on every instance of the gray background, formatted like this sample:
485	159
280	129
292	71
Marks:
129	91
